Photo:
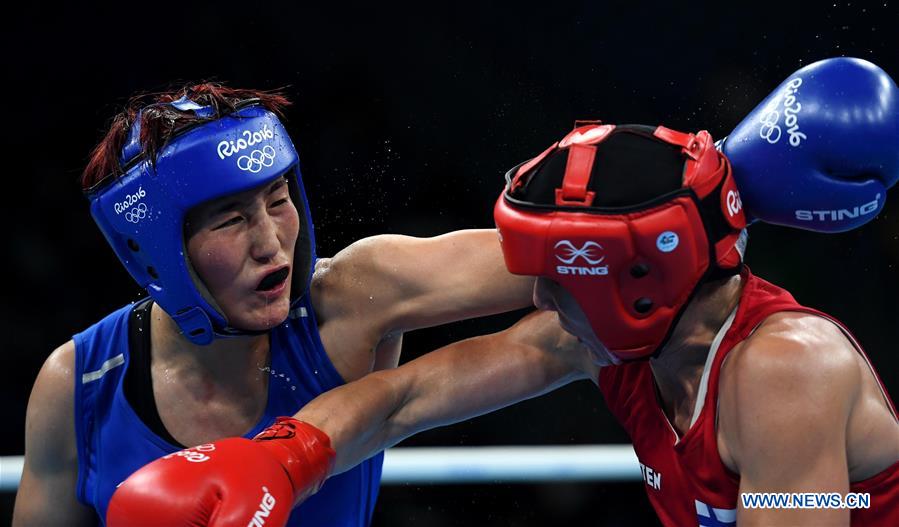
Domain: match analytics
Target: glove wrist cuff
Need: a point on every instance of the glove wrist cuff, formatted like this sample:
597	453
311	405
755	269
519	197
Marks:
303	450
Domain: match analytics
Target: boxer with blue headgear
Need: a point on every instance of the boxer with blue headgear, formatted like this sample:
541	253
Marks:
724	382
199	194
142	213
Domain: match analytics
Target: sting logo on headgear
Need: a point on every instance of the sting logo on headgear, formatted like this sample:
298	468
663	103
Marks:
657	208
568	254
571	253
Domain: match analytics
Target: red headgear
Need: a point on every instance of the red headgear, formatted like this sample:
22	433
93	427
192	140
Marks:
629	219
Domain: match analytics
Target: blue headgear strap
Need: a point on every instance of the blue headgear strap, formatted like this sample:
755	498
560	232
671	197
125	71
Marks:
142	213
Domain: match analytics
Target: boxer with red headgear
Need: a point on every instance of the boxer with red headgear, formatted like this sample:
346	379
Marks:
636	236
630	220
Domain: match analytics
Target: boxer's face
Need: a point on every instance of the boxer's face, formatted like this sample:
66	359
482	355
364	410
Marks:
550	296
241	246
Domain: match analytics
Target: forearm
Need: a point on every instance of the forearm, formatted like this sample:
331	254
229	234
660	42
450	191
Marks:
383	408
357	418
457	382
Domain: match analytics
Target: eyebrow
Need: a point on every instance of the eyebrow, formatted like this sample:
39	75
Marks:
236	204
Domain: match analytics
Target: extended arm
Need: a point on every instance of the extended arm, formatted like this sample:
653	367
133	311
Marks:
457	382
291	458
406	283
367	295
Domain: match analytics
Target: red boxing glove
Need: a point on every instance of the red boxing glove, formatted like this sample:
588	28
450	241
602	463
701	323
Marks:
232	482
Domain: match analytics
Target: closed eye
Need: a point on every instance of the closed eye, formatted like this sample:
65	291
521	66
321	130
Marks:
233	221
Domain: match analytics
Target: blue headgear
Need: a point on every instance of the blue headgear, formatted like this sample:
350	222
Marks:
142	212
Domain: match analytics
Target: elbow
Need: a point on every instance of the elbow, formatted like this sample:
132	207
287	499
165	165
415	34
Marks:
398	420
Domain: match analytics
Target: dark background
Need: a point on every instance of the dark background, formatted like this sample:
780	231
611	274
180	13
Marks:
406	119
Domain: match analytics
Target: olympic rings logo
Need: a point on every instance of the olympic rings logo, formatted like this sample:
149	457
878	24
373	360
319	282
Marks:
770	131
257	159
137	213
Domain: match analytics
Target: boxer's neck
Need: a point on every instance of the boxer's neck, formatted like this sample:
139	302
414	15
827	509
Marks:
678	368
223	359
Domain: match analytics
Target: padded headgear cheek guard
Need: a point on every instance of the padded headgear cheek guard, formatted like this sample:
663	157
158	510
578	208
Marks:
631	269
142	213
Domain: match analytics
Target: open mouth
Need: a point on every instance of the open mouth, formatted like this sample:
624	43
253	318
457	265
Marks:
273	279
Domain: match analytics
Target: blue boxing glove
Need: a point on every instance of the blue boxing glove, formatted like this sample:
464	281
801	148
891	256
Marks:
820	152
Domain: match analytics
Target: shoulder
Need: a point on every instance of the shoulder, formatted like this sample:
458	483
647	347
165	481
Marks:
792	346
357	267
58	370
356	258
50	415
796	375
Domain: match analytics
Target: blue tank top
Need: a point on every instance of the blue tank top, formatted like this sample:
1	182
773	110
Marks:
113	442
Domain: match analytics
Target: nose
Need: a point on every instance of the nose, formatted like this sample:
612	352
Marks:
543	294
266	243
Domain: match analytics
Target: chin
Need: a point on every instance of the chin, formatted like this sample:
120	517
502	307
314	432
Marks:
601	355
607	358
262	319
262	324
